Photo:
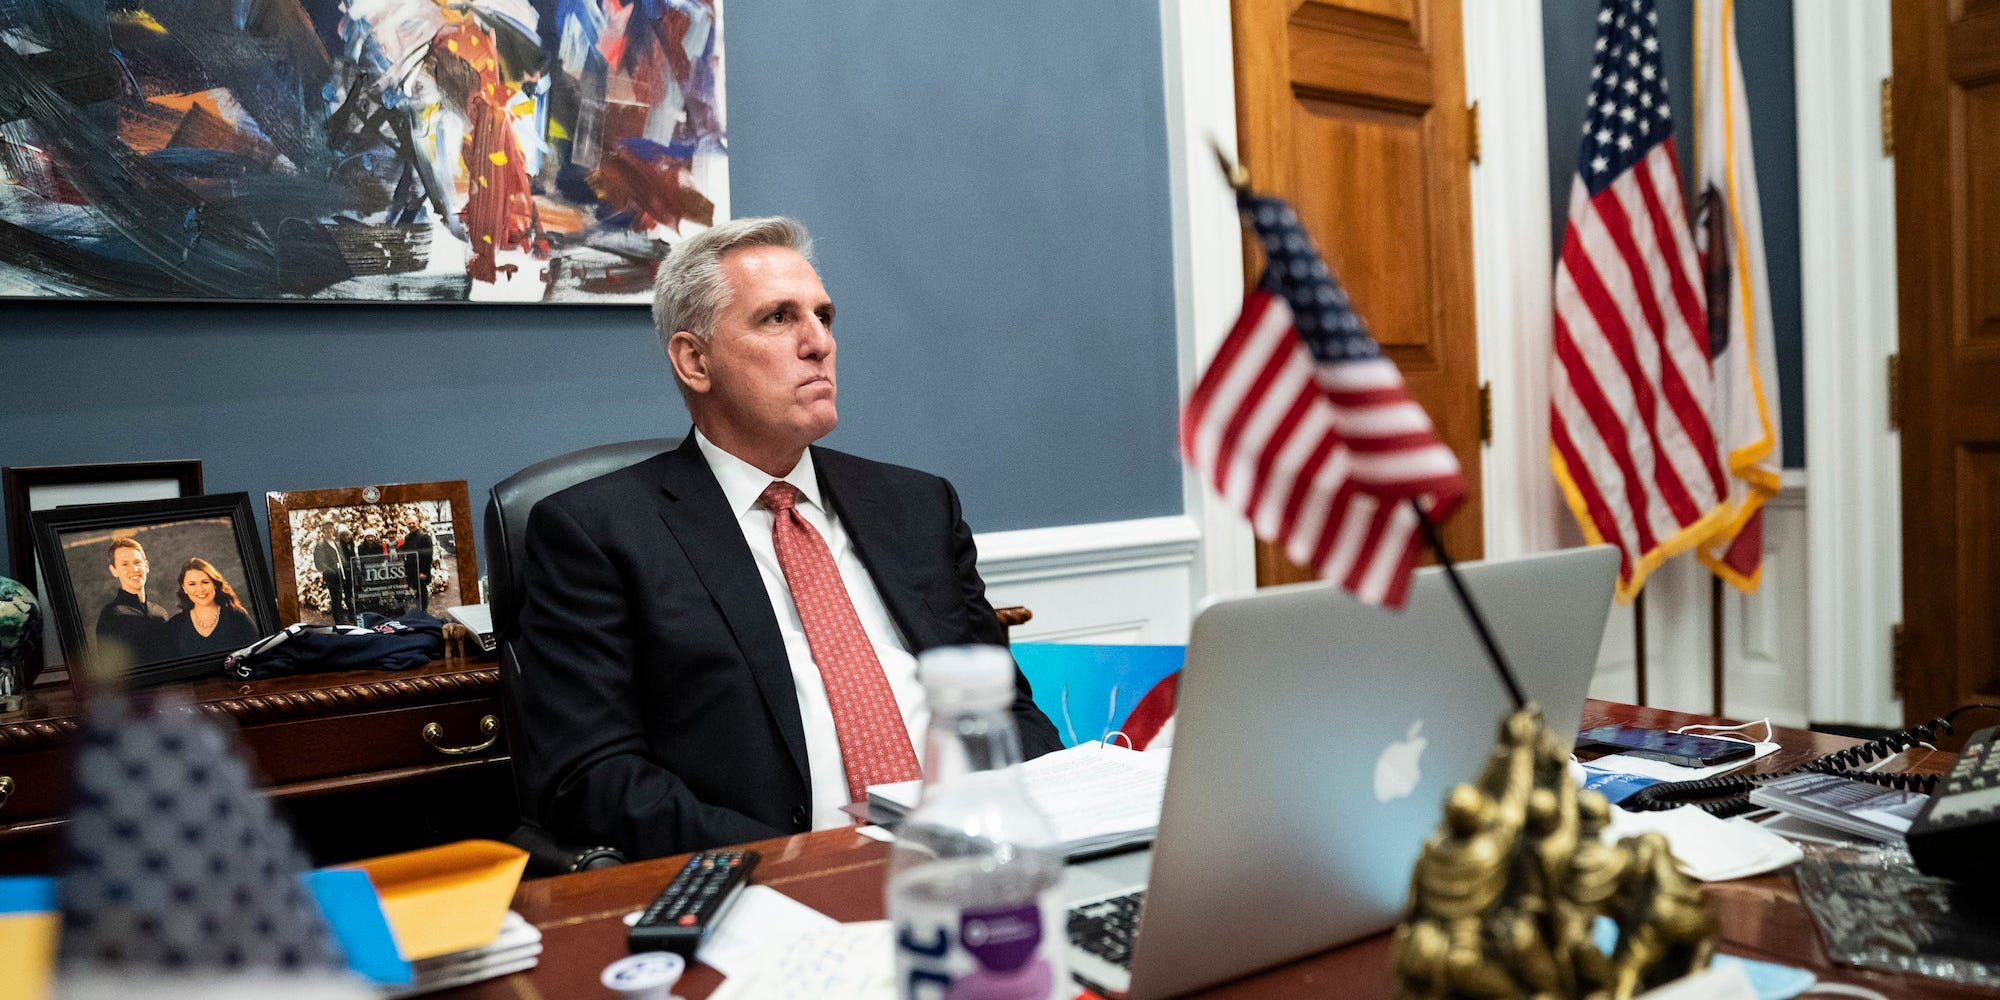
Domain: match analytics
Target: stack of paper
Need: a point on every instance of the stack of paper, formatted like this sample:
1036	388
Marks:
1100	797
518	947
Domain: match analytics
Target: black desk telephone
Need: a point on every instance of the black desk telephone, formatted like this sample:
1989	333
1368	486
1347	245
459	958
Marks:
1951	838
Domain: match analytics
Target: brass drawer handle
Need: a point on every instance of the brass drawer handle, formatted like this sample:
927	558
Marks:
487	725
6	790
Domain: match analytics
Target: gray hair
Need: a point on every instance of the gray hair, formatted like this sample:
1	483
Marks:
690	289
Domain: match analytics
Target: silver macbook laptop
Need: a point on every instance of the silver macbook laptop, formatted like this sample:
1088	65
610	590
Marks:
1315	740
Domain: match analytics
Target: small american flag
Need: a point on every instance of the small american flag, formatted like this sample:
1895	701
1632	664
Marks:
1303	425
1631	441
177	865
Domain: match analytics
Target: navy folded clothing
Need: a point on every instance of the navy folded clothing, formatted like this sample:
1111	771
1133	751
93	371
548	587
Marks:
377	643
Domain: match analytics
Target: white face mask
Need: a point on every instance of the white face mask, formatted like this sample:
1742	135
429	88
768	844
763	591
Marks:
1736	732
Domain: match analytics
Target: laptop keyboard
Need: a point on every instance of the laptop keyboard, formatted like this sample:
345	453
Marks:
1106	927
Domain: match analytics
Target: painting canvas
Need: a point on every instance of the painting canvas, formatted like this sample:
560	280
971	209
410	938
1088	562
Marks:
373	150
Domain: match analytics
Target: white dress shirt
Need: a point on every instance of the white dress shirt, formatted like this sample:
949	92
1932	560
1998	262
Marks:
742	483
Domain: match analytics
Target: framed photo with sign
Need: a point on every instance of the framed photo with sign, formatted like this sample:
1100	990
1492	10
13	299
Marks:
389	550
155	590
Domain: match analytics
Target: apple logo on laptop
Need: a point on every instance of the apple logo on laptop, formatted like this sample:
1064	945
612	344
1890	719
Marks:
1396	773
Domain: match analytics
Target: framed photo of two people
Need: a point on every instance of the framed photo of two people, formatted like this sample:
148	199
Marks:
390	550
155	590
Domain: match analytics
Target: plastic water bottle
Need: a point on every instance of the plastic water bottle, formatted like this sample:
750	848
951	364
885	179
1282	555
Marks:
974	875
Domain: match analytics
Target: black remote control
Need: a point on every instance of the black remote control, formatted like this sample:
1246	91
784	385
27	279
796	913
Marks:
691	905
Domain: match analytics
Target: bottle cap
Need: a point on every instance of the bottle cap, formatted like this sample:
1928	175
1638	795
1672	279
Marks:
967	675
649	975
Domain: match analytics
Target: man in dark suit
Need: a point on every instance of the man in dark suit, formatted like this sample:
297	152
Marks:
130	627
329	557
718	644
416	548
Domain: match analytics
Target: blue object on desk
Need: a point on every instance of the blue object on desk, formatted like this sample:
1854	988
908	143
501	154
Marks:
1613	786
353	910
1769	980
1089	690
27	894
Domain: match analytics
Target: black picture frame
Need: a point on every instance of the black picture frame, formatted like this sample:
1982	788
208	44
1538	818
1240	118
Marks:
20	484
29	488
219	528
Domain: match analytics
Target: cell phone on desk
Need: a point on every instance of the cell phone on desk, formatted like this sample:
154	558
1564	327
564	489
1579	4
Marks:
1659	744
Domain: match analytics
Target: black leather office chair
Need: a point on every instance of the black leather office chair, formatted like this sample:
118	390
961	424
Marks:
507	508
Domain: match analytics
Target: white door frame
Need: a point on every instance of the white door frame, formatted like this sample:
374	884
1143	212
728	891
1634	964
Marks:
1200	76
1847	272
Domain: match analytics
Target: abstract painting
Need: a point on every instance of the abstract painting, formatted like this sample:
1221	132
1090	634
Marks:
362	150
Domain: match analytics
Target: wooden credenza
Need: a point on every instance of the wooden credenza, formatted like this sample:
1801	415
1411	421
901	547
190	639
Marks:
345	754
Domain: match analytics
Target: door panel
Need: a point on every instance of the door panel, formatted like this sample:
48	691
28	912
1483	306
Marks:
1947	124
1355	111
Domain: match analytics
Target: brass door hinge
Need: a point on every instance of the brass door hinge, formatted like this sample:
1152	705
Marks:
1485	413
1895	392
1472	132
1899	659
1888	118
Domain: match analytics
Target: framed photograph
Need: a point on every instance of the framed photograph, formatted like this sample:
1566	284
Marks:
31	488
392	550
155	590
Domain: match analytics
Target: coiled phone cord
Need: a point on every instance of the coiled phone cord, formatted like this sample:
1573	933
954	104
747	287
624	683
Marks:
1729	795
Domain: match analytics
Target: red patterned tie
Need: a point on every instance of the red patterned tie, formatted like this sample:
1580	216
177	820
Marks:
873	740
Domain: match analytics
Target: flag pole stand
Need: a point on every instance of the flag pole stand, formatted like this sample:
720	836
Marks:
1472	612
1639	646
1715	644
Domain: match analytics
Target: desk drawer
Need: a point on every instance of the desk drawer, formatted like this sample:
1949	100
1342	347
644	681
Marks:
440	734
35	785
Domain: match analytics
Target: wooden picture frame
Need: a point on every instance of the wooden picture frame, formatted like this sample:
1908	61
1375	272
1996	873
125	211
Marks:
324	580
28	488
110	629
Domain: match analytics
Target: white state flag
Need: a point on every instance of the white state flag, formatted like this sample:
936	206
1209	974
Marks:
1731	239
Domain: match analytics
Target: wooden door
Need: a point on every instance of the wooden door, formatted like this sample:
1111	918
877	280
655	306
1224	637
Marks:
1947	145
1355	111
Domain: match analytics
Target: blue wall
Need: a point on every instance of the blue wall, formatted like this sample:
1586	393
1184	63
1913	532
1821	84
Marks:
1764	36
989	192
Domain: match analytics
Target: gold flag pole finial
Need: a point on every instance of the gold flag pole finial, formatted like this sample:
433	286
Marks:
1238	177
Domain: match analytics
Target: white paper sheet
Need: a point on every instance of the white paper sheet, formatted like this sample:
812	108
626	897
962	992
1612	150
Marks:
1098	796
760	920
1710	849
1096	790
843	962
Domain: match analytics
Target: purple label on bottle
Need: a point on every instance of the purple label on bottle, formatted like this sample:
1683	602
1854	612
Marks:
1002	939
1001	953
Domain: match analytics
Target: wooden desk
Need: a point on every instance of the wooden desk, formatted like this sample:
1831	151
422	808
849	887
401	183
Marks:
312	735
841	874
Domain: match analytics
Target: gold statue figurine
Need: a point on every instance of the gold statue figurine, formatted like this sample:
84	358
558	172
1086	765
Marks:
1507	893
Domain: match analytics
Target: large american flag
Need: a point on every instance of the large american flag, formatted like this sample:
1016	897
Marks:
1303	425
1630	392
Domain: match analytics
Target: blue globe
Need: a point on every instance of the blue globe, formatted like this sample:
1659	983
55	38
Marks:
20	634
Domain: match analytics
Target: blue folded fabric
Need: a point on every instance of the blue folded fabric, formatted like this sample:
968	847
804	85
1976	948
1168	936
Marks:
377	643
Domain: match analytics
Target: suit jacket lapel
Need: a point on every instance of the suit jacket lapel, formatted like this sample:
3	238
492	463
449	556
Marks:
701	521
872	525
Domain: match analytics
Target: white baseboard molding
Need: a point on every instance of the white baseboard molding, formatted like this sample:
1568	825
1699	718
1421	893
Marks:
1116	582
1132	582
